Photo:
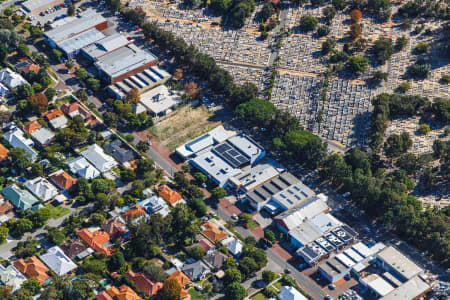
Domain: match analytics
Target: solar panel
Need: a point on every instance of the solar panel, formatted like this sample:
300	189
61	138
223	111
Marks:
233	152
231	155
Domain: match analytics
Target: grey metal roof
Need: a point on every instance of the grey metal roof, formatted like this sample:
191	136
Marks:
32	5
123	60
119	151
88	20
276	185
81	40
106	45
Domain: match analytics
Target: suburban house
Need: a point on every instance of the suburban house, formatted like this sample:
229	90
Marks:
233	245
120	151
171	196
144	284
3	153
11	79
97	239
41	188
75	109
104	296
63	180
134	214
57	261
155	205
211	232
183	280
215	259
21	199
196	271
16	138
123	293
96	156
11	277
290	293
55	117
43	136
32	126
206	245
5	206
73	247
81	167
116	227
33	268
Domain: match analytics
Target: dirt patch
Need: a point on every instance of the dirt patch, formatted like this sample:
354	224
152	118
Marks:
187	124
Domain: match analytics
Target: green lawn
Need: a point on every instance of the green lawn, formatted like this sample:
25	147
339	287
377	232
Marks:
259	296
278	285
252	225
58	211
196	295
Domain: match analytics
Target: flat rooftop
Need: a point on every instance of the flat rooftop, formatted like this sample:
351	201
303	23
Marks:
81	40
215	166
123	60
255	176
32	5
106	45
274	186
87	20
410	290
216	136
159	99
399	262
293	195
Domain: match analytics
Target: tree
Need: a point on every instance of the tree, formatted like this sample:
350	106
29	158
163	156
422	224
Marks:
267	11
268	276
191	88
57	55
329	12
171	289
397	144
155	272
429	180
24	91
383	49
39	102
142	146
20	160
93	84
32	285
50	93
270	236
421	48
133	96
404	87
232	274
357	64
419	69
323	30
110	119
339	4
379	76
196	252
235	291
200	177
23	50
218	192
401	43
178	74
55	235
97	218
439	148
71	10
424	128
308	23
81	73
328	45
116	261
356	15
257	111
4	231
355	31
441	109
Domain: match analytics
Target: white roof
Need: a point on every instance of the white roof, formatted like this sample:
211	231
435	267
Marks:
305	233
378	284
215	167
215	136
10	276
233	245
345	260
32	5
59	122
155	204
16	138
410	290
293	195
353	255
290	293
362	249
41	188
56	260
159	99
325	222
399	262
11	79
83	168
3	89
81	40
43	135
247	146
106	45
294	217
255	176
95	154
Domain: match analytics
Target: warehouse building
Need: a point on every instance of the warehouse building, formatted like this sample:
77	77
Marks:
88	20
73	45
34	7
104	46
124	62
192	148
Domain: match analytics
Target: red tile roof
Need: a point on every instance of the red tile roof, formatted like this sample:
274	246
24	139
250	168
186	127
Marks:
32	126
3	152
169	195
115	227
63	180
123	293
144	284
104	296
32	268
213	233
133	213
96	240
53	114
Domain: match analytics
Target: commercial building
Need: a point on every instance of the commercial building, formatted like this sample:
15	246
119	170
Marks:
124	62
279	194
142	81
72	46
214	137
158	101
224	161
255	177
104	46
34	7
87	20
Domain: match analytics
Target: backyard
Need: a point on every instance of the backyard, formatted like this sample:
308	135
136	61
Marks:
187	124
57	212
